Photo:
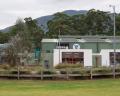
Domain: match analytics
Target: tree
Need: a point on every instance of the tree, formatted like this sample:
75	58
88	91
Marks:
18	43
13	49
118	24
79	24
61	22
95	22
35	32
98	22
4	37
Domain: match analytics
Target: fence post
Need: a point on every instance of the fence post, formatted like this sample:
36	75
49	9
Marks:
67	74
18	71
41	75
91	73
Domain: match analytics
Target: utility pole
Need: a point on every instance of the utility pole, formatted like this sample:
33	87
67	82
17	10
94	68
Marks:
59	44
114	40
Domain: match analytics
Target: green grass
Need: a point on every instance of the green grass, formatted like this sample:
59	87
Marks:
60	88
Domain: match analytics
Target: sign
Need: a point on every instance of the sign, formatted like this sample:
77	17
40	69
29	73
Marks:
76	46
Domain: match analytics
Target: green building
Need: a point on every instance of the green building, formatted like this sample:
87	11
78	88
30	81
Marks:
86	50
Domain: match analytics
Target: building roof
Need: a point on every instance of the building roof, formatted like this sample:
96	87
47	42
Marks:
67	38
3	46
89	37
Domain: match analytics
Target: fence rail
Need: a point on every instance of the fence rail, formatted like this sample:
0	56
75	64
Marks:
67	74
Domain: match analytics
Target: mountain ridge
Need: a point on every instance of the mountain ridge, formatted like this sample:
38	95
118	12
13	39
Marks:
42	21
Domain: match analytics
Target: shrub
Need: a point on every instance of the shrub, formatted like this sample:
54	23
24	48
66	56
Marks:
75	72
117	69
63	66
46	72
21	72
102	70
63	72
80	71
5	66
4	72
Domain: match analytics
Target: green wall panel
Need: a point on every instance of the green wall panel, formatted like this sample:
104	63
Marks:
48	46
47	49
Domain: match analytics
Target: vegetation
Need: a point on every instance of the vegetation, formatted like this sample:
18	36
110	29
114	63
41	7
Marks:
63	69
4	37
66	65
102	70
94	22
60	88
26	36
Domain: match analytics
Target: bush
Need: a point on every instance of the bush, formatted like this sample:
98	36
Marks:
4	72
63	72
80	71
102	70
63	66
117	70
5	66
46	72
75	72
21	72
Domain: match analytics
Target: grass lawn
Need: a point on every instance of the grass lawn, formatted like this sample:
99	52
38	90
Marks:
60	88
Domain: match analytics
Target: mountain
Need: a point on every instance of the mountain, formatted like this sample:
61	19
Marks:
42	21
6	29
74	12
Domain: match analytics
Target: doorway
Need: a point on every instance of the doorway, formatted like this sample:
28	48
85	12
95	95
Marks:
97	60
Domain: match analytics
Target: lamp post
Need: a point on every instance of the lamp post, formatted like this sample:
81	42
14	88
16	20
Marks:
114	40
59	44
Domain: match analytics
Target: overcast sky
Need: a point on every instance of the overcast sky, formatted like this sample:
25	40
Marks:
10	10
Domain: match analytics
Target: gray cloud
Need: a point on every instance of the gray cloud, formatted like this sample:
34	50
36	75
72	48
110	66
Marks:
10	10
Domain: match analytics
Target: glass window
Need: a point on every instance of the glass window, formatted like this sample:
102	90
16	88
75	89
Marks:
112	58
73	57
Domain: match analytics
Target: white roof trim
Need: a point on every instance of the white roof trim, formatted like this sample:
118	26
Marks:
49	40
108	40
79	40
57	40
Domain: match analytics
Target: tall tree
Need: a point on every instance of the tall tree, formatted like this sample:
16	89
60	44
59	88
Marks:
118	24
35	32
60	23
98	22
4	37
95	22
79	24
18	43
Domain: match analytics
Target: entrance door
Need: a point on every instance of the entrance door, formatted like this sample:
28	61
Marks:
97	60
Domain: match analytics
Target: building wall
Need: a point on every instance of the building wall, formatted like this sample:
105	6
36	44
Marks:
47	53
95	46
101	48
106	57
46	47
87	55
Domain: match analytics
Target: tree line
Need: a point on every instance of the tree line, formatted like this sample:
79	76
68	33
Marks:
94	22
25	36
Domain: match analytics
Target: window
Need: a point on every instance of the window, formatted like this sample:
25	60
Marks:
63	45
112	58
73	57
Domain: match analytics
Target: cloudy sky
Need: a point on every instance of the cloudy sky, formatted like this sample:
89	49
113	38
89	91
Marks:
10	10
